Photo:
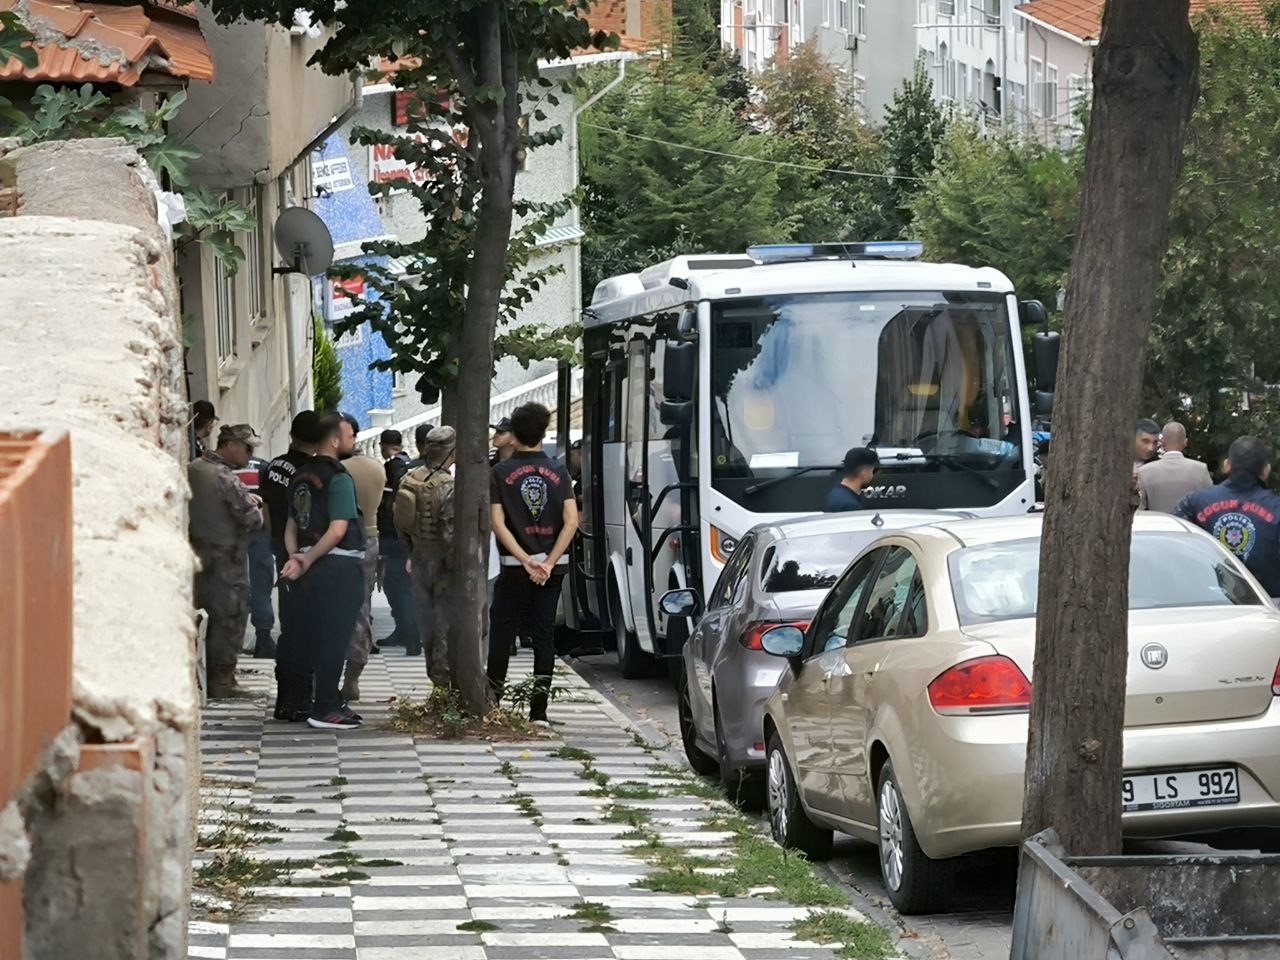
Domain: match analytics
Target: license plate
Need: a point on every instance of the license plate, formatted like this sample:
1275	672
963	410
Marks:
1168	789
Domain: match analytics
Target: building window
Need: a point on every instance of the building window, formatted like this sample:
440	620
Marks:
224	310
827	11
860	91
1079	92
1051	93
946	8
255	266
842	13
860	18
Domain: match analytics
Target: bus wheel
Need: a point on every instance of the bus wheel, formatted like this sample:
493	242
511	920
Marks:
633	661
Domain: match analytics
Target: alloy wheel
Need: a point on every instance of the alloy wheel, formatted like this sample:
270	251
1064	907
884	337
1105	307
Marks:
687	730
891	860
778	794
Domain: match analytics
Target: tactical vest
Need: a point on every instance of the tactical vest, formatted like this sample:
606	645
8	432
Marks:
309	505
415	507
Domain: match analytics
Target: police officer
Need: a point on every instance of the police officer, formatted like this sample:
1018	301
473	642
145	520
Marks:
1240	513
293	672
262	570
325	540
392	554
424	518
223	515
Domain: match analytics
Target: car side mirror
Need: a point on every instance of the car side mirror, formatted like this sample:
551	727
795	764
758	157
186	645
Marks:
680	603
783	641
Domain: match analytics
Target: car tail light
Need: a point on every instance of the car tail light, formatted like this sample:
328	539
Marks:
722	545
753	637
985	685
1275	682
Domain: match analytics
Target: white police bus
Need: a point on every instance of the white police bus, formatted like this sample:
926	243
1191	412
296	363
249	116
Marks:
722	391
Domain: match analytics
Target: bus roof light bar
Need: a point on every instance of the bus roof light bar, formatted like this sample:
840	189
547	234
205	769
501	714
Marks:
871	250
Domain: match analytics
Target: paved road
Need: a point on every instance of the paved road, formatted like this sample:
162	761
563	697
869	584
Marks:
978	927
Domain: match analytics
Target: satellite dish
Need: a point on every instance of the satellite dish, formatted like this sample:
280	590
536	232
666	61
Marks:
304	242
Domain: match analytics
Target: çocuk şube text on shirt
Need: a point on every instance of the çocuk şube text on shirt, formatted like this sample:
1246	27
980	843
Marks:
532	489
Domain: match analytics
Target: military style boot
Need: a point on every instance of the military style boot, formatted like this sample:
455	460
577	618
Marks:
351	682
223	685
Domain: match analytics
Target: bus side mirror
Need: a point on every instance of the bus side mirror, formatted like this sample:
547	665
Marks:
675	414
679	370
1044	404
1031	313
1044	348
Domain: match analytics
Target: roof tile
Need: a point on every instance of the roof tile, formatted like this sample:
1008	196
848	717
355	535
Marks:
110	43
1082	19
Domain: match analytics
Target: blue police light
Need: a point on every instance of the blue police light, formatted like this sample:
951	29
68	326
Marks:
871	250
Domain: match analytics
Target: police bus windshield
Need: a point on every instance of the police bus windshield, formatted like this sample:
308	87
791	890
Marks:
926	378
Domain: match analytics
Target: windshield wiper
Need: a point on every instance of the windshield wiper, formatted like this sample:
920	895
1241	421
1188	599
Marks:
955	461
798	471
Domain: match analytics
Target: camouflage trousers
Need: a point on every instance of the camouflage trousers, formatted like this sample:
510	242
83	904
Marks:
430	598
362	636
222	589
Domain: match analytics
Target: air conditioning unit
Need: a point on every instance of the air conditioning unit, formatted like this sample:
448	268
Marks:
851	42
748	19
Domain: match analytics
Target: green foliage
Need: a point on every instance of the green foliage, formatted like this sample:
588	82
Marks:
1214	341
15	40
853	939
914	129
326	370
1003	201
64	113
669	168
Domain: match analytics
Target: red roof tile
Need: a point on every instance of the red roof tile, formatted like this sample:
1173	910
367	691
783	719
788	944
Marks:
1082	19
109	43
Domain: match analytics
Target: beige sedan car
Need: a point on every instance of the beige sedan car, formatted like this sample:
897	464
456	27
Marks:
903	717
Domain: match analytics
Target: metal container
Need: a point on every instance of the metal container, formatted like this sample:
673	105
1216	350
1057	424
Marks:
1179	906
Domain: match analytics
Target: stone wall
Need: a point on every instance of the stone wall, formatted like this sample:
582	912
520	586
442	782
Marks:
92	347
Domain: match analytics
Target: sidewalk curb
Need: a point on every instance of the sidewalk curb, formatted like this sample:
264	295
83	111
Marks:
909	946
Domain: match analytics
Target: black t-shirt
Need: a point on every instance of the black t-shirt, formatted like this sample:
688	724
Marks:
396	467
273	487
532	489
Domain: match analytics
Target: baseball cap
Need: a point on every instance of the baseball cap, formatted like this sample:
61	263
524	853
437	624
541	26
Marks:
241	433
502	426
305	426
391	438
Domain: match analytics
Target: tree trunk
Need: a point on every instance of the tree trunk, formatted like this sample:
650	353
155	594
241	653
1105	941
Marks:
496	125
1145	79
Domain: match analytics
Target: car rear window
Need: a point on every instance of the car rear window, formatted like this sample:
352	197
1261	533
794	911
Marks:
1000	581
810	563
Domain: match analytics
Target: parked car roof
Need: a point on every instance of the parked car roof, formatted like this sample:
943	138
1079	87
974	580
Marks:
851	521
971	532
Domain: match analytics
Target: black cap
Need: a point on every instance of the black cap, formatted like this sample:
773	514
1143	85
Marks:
860	457
391	438
502	426
307	428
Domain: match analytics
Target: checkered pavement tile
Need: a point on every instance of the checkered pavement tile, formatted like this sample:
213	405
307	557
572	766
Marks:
393	849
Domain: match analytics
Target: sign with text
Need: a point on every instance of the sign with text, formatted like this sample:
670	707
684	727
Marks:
386	167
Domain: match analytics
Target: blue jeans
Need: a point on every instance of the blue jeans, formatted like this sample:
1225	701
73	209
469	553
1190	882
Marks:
262	577
398	587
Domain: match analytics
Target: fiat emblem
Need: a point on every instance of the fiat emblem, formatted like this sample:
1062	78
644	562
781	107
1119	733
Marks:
1154	656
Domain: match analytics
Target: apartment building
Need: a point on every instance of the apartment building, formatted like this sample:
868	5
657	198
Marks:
249	334
974	51
870	42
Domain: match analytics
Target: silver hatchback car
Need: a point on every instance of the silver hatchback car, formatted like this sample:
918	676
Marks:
777	576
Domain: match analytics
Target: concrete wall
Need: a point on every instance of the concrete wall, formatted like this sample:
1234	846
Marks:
95	351
265	106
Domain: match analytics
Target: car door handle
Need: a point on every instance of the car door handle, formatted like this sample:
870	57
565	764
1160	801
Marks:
826	677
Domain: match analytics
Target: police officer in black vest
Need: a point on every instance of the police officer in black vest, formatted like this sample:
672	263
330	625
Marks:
293	672
1241	513
324	536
